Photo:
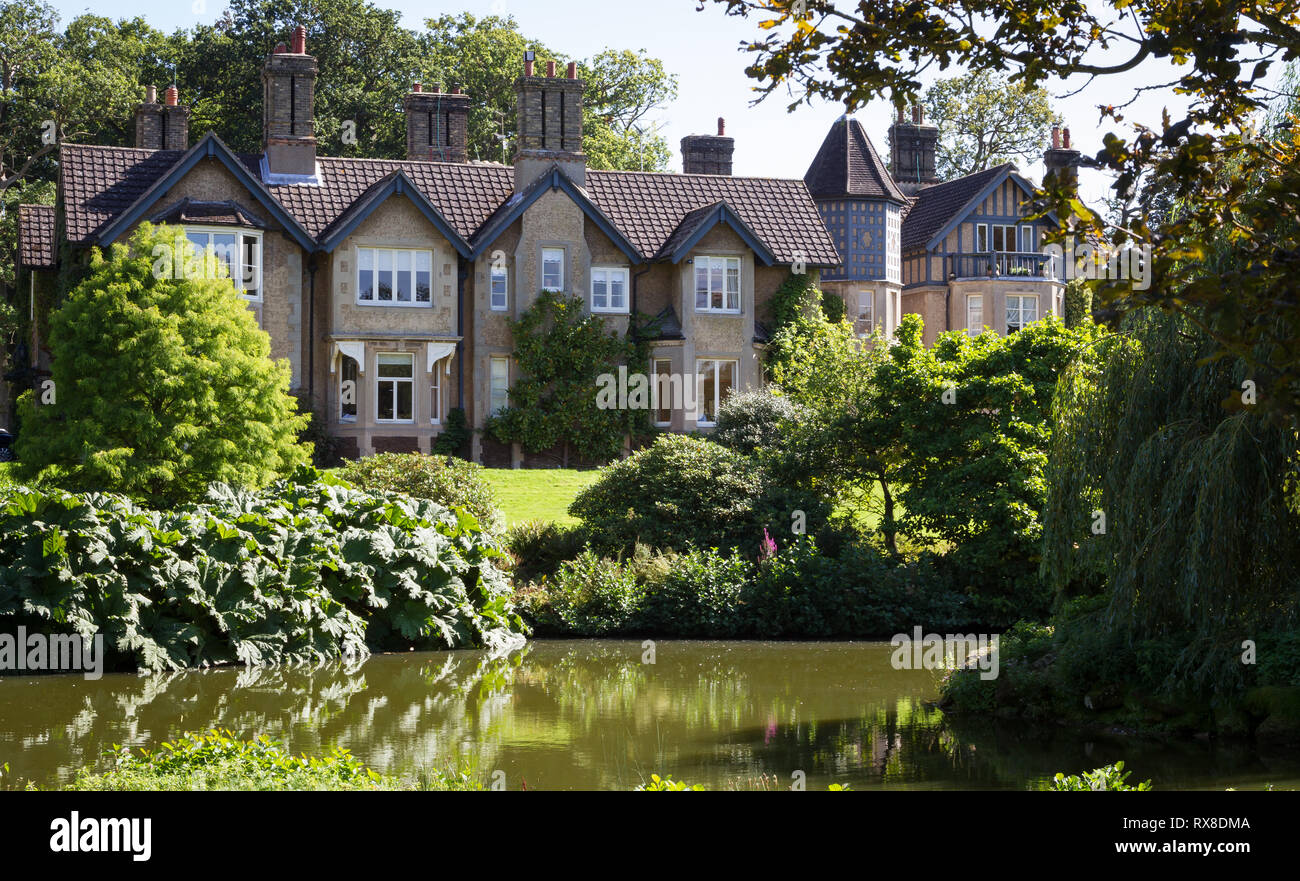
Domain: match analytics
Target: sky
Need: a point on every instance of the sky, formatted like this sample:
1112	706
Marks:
703	49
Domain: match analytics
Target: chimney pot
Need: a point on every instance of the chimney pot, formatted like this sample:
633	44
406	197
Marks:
416	86
151	95
573	70
281	48
455	89
1056	137
300	40
550	69
722	127
1066	138
173	96
528	67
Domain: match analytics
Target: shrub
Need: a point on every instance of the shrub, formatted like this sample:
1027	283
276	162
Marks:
307	570
455	435
697	596
539	547
685	491
753	420
1110	778
591	596
449	481
162	384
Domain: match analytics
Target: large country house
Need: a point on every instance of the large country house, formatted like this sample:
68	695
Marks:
396	279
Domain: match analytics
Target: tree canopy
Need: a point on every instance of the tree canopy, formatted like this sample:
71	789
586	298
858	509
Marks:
985	120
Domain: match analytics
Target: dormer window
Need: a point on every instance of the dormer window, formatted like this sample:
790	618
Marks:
237	252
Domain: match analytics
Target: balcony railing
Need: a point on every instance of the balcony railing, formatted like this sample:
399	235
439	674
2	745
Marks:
1002	264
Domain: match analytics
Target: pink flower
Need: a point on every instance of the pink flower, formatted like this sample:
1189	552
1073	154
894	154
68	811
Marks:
767	548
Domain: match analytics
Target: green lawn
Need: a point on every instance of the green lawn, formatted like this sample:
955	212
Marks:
537	493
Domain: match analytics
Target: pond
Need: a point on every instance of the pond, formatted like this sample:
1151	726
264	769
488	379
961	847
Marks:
591	714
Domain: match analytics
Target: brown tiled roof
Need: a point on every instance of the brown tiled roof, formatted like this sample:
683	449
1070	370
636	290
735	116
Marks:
465	194
649	206
936	205
847	165
36	236
101	182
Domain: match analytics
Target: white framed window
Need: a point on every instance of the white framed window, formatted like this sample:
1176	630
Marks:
609	289
974	314
1021	311
717	284
981	237
866	312
395	387
394	277
349	389
717	379
499	385
1027	243
552	269
435	395
498	288
237	252
661	391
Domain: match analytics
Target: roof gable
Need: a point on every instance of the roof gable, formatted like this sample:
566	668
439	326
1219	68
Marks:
847	165
208	147
697	223
554	179
396	184
938	209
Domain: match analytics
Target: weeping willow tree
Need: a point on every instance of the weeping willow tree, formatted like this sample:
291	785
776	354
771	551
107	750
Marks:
1168	491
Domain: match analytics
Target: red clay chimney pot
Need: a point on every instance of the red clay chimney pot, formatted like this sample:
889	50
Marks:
1066	138
528	67
722	127
300	40
417	86
281	48
550	68
573	70
172	96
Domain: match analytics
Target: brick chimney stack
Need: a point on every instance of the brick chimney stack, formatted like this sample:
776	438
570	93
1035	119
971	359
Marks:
288	111
708	154
1061	159
912	147
549	123
437	124
162	126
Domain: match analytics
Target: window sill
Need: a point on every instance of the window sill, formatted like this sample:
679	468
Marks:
396	303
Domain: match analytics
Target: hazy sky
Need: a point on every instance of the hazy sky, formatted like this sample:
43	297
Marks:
702	48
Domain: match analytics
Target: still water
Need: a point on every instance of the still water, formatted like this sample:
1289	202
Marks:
590	714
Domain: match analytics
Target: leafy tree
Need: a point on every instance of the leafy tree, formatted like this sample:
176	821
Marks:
161	384
622	89
562	352
1221	57
985	120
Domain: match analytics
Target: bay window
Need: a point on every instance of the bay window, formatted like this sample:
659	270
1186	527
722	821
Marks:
717	284
974	314
238	253
1021	311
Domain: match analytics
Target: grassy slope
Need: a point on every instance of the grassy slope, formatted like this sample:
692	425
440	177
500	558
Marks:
537	493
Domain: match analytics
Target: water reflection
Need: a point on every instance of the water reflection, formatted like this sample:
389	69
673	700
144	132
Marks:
591	715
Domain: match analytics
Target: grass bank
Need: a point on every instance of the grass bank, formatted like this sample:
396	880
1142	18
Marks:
538	493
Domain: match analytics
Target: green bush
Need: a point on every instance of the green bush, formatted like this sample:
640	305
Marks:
591	596
1110	778
539	547
216	760
455	435
163	383
449	481
699	596
685	491
307	570
754	420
